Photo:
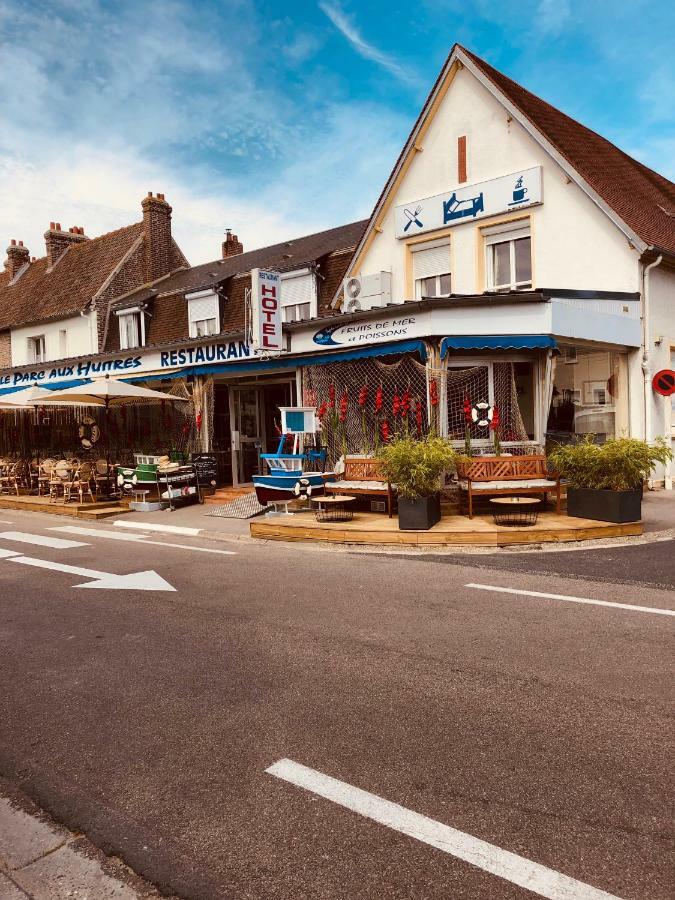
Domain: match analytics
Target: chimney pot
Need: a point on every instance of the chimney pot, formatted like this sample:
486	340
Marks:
52	226
58	226
17	257
231	246
149	193
12	243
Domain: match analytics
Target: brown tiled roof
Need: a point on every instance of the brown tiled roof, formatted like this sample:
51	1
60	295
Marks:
292	254
642	198
40	295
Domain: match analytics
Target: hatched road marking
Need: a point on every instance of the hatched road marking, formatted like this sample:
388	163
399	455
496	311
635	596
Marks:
136	539
655	611
516	869
40	540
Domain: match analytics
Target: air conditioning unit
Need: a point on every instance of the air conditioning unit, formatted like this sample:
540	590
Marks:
366	292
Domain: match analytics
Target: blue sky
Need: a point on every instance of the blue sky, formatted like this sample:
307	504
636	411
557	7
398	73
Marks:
280	118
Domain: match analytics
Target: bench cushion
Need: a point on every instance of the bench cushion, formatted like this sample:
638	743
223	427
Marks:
345	485
516	484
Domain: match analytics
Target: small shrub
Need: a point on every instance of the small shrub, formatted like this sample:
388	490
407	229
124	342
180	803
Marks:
617	465
415	467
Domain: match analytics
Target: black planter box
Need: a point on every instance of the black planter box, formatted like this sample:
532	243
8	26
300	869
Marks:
606	506
419	515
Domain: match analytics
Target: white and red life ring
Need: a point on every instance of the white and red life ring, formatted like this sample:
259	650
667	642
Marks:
88	432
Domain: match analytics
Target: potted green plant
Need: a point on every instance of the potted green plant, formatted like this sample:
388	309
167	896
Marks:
415	468
605	480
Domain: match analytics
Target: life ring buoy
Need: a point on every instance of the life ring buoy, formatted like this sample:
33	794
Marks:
88	432
481	413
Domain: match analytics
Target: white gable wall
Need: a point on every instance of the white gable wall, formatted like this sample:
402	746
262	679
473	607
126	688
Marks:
80	339
575	245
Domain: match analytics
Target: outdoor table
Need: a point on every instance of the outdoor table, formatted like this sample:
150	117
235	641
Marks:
335	508
515	511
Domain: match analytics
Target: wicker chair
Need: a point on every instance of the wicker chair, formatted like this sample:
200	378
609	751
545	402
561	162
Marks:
12	477
59	476
80	483
44	475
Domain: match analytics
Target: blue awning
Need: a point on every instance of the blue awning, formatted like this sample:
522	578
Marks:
498	342
290	362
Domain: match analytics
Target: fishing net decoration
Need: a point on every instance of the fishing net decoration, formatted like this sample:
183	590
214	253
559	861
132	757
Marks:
365	402
472	383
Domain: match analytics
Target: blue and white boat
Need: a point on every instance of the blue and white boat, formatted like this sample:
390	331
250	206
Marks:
291	475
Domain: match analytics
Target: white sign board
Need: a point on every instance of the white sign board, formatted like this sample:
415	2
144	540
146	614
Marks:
468	203
266	310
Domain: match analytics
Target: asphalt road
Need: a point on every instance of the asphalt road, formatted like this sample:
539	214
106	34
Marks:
147	719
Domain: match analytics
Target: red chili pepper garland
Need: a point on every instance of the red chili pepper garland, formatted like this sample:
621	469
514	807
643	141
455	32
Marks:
467	427
379	396
495	425
396	405
384	428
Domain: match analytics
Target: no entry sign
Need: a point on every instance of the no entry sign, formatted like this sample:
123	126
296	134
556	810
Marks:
664	382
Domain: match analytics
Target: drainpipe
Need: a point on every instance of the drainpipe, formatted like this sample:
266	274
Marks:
646	349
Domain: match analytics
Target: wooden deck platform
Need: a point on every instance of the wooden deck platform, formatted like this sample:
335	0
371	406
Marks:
31	503
373	528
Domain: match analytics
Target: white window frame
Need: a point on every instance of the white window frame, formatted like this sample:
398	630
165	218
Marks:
508	233
313	301
195	325
37	348
431	245
121	315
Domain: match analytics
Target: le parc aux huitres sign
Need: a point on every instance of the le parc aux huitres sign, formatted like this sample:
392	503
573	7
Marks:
469	202
131	364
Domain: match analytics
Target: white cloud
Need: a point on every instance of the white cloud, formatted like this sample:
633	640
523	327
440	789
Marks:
110	109
365	49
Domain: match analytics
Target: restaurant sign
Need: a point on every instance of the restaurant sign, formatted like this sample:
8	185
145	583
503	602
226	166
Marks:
473	201
132	364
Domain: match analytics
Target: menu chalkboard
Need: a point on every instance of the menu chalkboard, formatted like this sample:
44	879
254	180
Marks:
206	466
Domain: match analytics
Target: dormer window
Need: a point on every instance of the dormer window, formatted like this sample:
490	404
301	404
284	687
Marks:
298	296
132	328
203	314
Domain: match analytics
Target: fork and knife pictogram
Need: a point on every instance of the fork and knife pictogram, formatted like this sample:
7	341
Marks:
412	217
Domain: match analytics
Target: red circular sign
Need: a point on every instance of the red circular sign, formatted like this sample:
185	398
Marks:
664	382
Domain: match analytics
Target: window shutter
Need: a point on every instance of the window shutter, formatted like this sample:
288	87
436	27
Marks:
298	289
505	233
432	261
203	308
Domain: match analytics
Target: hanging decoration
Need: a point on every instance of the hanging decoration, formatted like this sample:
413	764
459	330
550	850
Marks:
88	432
494	425
468	418
481	414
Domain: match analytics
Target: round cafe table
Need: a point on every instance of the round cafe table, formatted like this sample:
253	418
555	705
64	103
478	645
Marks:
515	511
335	508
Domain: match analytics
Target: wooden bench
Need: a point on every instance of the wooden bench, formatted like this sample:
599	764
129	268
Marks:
362	477
514	475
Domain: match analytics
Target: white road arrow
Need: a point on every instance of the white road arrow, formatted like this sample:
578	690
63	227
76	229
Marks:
135	581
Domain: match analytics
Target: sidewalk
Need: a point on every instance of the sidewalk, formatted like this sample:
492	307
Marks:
41	860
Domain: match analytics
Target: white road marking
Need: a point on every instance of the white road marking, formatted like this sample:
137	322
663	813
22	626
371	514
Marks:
137	539
5	554
135	581
655	611
5	522
40	540
516	869
155	526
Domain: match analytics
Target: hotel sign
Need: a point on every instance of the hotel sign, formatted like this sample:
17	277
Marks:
266	310
469	202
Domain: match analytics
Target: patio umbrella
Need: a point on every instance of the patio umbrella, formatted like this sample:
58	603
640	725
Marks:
29	398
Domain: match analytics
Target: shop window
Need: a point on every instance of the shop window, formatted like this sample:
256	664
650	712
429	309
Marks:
589	395
203	315
132	329
298	296
37	349
431	269
508	263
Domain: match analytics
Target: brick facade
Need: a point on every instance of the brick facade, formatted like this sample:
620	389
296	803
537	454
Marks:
5	349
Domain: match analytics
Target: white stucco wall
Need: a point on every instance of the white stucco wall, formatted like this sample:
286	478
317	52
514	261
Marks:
662	342
575	245
80	339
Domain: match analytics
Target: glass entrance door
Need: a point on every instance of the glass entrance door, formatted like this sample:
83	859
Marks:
247	419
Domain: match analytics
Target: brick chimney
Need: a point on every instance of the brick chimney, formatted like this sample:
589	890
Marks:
232	246
17	256
157	233
57	241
